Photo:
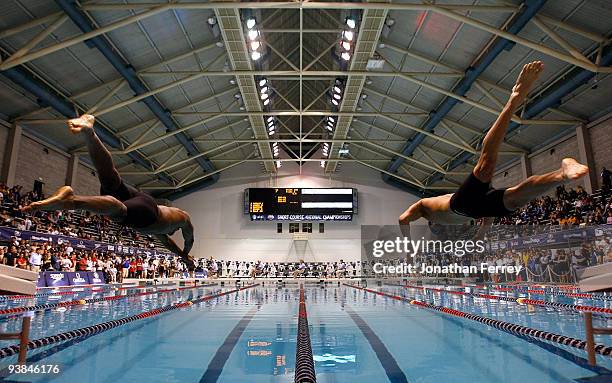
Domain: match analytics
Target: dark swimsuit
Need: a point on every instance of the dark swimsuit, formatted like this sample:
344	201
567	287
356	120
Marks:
477	199
142	210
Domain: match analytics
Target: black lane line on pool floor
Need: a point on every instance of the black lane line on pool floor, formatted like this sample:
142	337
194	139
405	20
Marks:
550	347
215	367
392	369
37	357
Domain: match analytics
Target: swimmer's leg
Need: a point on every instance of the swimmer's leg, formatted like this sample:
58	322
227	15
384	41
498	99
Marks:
65	199
100	156
536	186
494	138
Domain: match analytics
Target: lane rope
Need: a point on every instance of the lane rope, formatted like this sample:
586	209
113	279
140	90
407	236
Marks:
535	302
79	290
554	293
102	327
540	285
49	306
512	328
304	362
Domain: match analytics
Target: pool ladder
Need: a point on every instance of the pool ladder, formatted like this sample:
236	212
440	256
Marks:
590	336
23	337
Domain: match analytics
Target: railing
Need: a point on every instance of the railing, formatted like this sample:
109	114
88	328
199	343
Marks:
590	338
23	337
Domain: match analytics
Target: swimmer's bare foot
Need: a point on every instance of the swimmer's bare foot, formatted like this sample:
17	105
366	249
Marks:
526	79
572	169
62	199
82	124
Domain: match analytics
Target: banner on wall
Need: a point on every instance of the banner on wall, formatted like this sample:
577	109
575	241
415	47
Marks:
301	217
78	278
561	237
70	278
6	233
54	278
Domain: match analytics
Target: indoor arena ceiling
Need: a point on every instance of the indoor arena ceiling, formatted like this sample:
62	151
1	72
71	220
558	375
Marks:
178	87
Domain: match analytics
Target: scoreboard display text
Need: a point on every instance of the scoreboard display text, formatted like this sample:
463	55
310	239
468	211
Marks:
300	204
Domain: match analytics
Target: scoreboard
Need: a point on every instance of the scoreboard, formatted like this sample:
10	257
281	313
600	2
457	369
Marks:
300	204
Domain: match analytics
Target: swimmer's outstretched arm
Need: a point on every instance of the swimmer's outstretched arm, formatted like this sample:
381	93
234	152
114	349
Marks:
485	225
414	212
187	231
169	244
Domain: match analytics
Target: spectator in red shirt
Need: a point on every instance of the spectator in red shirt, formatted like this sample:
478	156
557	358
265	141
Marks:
83	264
22	262
139	268
132	273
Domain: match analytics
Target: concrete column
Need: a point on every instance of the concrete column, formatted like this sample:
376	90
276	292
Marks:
586	157
9	167
525	167
71	172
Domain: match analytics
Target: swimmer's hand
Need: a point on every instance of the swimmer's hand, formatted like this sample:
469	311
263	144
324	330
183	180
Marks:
484	226
189	261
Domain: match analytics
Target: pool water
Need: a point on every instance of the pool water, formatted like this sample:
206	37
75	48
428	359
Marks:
250	336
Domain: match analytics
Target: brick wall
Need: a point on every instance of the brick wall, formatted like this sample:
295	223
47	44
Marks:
4	131
546	161
33	163
550	160
508	178
87	183
601	144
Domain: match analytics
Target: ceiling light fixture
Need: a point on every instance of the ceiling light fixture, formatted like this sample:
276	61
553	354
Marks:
253	33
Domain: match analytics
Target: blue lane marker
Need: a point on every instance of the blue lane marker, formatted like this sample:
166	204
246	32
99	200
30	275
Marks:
215	367
392	369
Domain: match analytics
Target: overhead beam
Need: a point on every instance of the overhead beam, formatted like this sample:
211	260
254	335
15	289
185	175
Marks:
370	27
553	96
47	96
124	68
304	5
518	22
232	30
89	35
179	191
114	82
507	34
448	10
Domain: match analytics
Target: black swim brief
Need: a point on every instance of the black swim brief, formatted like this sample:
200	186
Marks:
477	199
142	210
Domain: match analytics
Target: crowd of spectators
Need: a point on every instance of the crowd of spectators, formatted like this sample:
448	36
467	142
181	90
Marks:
37	256
73	224
567	208
571	207
245	269
555	264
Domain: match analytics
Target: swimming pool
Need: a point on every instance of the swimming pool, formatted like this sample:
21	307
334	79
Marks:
357	336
